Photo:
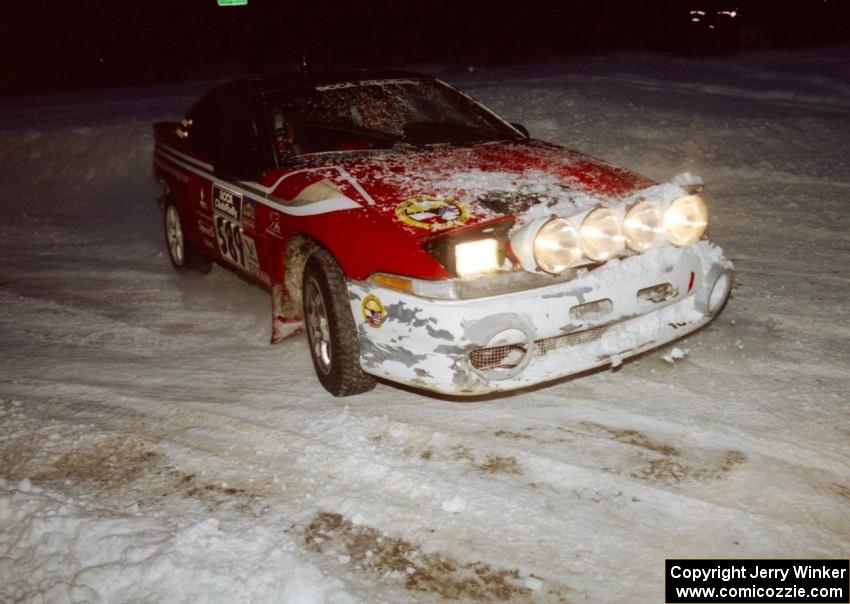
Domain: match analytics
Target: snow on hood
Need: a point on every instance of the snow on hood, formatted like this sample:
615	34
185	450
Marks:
520	179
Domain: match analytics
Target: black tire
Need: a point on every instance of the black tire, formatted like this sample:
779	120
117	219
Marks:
331	331
182	254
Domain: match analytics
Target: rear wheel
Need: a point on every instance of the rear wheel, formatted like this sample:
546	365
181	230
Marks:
182	254
331	331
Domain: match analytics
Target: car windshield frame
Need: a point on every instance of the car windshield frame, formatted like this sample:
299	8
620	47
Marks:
377	115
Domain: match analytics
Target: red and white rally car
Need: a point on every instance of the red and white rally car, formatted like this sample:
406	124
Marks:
421	238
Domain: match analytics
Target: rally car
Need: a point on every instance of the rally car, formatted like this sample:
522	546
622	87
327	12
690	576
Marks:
419	237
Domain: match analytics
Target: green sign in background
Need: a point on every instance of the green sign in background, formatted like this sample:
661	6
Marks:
232	2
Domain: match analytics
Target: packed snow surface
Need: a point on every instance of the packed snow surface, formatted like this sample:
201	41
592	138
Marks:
154	447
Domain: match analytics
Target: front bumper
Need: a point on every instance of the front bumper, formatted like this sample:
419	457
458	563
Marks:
509	341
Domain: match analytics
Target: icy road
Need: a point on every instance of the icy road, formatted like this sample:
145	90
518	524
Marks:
155	447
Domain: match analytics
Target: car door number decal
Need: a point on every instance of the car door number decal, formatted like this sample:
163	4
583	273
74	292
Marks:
233	245
229	237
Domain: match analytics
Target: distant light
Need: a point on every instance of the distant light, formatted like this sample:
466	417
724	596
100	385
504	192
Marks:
695	19
698	12
730	13
232	2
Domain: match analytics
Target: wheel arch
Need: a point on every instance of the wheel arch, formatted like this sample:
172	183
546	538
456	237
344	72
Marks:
292	259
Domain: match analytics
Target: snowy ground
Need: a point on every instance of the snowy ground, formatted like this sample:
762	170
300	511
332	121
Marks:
154	447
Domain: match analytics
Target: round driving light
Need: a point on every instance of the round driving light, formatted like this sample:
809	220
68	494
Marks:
719	292
556	246
644	226
686	220
600	235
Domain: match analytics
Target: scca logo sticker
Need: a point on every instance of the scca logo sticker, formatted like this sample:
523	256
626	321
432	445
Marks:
227	202
373	310
433	214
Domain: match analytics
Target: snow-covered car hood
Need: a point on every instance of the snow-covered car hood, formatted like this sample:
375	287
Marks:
441	190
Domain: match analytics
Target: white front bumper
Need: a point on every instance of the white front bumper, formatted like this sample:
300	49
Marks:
430	343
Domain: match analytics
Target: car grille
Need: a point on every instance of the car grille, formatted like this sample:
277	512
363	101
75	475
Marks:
509	355
497	356
576	338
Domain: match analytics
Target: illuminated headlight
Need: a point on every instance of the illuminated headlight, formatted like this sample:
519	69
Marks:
556	246
643	226
600	235
686	220
476	257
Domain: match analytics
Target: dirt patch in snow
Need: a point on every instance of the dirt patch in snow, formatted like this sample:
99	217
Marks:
841	491
509	434
120	462
631	437
663	463
500	465
672	471
491	464
214	496
368	550
113	461
463	453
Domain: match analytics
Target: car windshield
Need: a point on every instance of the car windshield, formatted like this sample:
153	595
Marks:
377	114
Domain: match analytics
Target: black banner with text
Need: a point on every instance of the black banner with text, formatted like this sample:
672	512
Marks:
790	581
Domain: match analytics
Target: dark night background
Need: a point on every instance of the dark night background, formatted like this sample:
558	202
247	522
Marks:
57	45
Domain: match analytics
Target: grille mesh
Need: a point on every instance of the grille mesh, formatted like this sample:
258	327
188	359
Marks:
496	356
576	338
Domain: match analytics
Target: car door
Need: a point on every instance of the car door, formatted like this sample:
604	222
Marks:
241	153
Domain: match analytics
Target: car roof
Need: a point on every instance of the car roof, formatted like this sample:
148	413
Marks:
270	82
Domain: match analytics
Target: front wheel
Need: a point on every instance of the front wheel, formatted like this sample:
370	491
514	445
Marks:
331	331
180	251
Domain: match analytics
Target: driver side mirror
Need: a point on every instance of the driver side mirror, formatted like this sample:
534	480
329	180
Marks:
523	130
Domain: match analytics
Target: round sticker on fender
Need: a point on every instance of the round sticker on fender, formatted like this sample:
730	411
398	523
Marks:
373	310
431	213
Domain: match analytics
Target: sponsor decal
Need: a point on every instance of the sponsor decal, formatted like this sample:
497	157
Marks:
252	262
227	203
361	83
274	224
249	214
431	213
373	311
206	229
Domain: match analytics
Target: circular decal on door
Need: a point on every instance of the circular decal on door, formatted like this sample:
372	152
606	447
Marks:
373	310
431	213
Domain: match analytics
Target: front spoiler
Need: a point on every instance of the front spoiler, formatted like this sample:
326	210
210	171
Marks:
432	344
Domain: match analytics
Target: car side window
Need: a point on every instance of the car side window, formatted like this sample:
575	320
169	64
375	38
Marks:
241	145
200	125
227	130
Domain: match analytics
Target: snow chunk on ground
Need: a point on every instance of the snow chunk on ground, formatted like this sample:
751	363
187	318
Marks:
674	354
454	505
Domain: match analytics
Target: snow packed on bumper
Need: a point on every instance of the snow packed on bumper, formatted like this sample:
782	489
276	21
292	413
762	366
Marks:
428	343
